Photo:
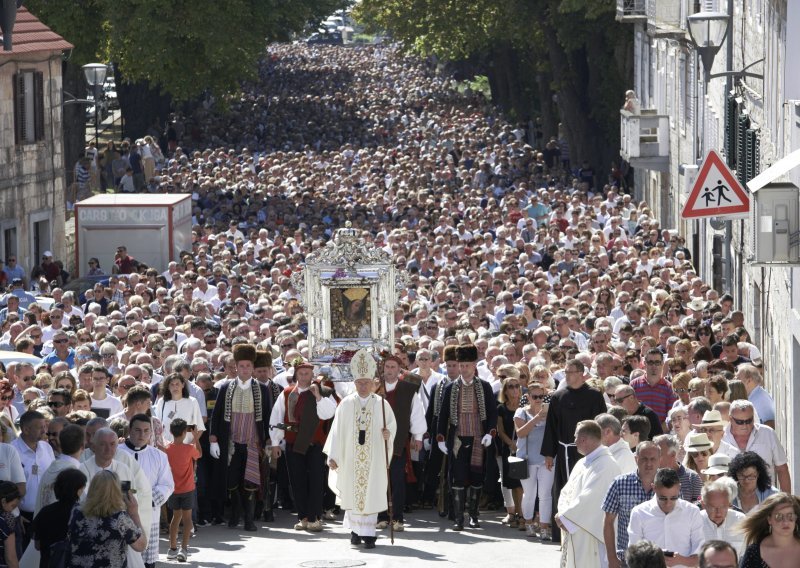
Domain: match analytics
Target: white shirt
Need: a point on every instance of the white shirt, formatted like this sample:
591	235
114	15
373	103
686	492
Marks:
112	403
726	531
764	442
10	465
426	389
34	464
186	408
681	531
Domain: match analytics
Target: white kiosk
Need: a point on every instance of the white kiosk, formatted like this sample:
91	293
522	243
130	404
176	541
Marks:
155	228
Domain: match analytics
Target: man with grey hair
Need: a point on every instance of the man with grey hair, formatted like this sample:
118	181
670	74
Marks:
742	433
691	482
761	399
619	448
719	519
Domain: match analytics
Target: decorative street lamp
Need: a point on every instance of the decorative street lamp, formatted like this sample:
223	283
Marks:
96	76
708	30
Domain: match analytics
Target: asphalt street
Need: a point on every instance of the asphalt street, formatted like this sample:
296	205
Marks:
426	541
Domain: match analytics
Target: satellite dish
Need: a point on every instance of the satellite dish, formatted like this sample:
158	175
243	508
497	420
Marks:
717	224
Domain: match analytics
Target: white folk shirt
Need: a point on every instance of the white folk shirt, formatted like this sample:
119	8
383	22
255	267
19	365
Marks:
34	463
764	442
726	531
681	531
326	408
418	423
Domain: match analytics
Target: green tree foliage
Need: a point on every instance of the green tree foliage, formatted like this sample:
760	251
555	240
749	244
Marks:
179	47
571	48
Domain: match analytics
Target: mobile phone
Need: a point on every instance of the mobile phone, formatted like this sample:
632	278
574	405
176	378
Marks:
669	554
126	486
191	427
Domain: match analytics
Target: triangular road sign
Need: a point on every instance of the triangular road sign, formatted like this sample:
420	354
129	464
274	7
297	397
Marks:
716	192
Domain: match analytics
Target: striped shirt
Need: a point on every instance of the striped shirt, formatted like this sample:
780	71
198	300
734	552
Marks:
625	493
660	397
691	484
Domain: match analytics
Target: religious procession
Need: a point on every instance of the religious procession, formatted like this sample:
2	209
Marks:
401	313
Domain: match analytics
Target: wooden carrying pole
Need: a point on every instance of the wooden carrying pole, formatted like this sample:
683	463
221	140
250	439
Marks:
388	468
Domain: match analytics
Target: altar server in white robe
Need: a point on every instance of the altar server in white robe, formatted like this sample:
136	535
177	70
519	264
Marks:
357	447
579	506
155	466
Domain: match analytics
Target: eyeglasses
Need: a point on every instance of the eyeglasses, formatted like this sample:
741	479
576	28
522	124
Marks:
288	345
211	340
513	387
665	499
620	398
36	336
60	340
537	396
138	341
55	404
742	422
126	387
7	398
747	477
781	517
681	391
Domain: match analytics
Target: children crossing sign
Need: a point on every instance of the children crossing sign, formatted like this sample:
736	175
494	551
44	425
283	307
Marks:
716	192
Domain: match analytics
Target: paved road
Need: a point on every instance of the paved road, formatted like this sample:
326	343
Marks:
426	542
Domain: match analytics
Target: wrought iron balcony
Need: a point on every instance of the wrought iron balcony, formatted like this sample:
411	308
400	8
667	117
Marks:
631	11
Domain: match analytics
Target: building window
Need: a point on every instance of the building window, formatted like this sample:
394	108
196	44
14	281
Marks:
28	107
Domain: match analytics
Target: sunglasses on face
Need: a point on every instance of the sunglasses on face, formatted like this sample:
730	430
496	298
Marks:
60	340
537	396
620	398
55	404
742	422
7	398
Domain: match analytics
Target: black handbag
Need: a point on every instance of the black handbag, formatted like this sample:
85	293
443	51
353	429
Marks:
517	467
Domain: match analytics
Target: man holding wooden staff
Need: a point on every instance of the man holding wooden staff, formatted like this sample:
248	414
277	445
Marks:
358	450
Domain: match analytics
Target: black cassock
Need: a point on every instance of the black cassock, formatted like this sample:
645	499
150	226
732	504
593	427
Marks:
567	408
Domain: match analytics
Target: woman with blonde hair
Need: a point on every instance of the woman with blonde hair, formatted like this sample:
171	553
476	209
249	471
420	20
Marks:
107	523
542	375
772	533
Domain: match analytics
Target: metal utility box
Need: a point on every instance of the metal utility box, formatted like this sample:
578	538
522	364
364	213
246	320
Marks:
776	223
154	228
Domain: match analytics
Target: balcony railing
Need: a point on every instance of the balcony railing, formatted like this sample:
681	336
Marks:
631	10
644	139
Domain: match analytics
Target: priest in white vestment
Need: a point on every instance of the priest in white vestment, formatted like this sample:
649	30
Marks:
579	506
357	447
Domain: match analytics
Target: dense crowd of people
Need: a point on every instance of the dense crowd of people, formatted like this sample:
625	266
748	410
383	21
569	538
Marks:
557	359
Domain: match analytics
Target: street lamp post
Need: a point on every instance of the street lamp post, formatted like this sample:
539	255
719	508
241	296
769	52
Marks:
95	76
708	30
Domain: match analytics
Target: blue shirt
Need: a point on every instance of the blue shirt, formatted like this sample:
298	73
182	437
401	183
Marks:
763	403
624	494
53	358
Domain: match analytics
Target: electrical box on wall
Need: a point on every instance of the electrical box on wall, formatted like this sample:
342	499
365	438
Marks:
776	223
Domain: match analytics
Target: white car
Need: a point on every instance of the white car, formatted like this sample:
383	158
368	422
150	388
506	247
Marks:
7	357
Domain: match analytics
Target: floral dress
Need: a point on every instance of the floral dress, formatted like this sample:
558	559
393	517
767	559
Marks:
101	542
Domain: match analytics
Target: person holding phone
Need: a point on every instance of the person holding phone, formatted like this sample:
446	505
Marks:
101	529
529	421
182	454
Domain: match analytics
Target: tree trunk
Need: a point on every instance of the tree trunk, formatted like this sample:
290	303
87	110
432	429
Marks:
140	106
74	117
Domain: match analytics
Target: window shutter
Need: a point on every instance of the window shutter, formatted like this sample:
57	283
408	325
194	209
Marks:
753	151
741	148
38	103
730	131
19	107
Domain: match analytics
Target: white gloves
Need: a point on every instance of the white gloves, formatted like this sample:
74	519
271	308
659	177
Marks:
426	443
214	450
442	447
486	440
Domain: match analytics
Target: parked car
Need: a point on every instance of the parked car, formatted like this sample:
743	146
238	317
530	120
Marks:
328	38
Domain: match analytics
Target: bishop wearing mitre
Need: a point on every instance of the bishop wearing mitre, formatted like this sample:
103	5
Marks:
357	447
